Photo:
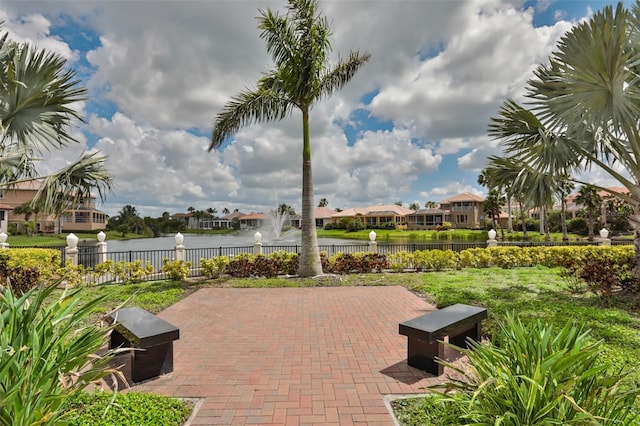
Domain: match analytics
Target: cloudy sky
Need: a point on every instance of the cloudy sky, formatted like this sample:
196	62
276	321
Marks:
410	126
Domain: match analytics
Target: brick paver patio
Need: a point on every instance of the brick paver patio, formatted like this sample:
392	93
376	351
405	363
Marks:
292	356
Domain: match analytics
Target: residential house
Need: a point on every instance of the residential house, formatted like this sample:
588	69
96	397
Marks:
191	221
464	210
4	217
573	208
426	218
253	220
375	216
82	217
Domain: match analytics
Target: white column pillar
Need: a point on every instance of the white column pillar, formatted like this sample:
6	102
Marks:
3	240
71	251
180	249
257	245
492	242
373	245
102	247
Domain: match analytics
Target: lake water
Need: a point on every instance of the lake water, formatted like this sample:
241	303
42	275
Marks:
242	239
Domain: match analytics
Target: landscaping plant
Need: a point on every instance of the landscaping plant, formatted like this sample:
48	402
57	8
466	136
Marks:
45	357
176	270
535	374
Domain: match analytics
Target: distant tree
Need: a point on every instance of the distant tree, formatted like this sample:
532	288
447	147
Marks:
618	211
212	212
127	220
431	205
338	209
493	207
589	198
399	203
225	211
565	186
414	206
28	209
323	202
191	209
286	209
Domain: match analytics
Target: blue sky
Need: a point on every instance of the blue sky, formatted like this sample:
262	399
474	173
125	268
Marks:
410	126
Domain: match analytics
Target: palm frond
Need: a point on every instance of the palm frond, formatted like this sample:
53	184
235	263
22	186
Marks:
36	107
590	77
65	188
342	73
247	108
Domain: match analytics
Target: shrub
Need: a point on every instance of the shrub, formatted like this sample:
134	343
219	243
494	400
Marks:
177	270
444	226
127	272
475	258
534	374
285	263
346	263
603	271
45	357
214	267
355	226
400	261
435	260
25	268
73	275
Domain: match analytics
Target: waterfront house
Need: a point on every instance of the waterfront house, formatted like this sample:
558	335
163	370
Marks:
464	210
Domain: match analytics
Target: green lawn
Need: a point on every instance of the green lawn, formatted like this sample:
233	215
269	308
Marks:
415	236
43	240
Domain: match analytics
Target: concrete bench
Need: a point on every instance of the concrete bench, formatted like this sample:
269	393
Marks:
152	337
459	322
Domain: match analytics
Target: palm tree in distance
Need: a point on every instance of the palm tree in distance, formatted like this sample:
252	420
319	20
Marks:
592	201
299	46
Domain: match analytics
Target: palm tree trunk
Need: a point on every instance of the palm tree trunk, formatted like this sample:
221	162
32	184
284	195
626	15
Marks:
509	219
525	234
590	225
309	264
563	218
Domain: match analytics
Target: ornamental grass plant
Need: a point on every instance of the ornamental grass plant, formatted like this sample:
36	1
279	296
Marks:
537	374
45	357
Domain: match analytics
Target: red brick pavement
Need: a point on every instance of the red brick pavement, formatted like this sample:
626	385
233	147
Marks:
292	356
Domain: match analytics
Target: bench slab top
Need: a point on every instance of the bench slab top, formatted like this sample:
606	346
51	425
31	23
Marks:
147	328
439	323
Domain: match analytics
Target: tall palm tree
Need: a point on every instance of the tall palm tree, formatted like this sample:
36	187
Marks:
588	96
299	46
493	207
37	95
592	201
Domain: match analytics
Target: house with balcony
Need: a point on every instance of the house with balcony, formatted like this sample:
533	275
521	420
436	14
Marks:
427	218
464	210
82	217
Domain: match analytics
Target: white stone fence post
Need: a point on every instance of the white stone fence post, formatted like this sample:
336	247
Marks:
180	249
71	251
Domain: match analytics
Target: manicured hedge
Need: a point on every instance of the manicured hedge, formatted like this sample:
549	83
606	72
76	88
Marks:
282	263
23	269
